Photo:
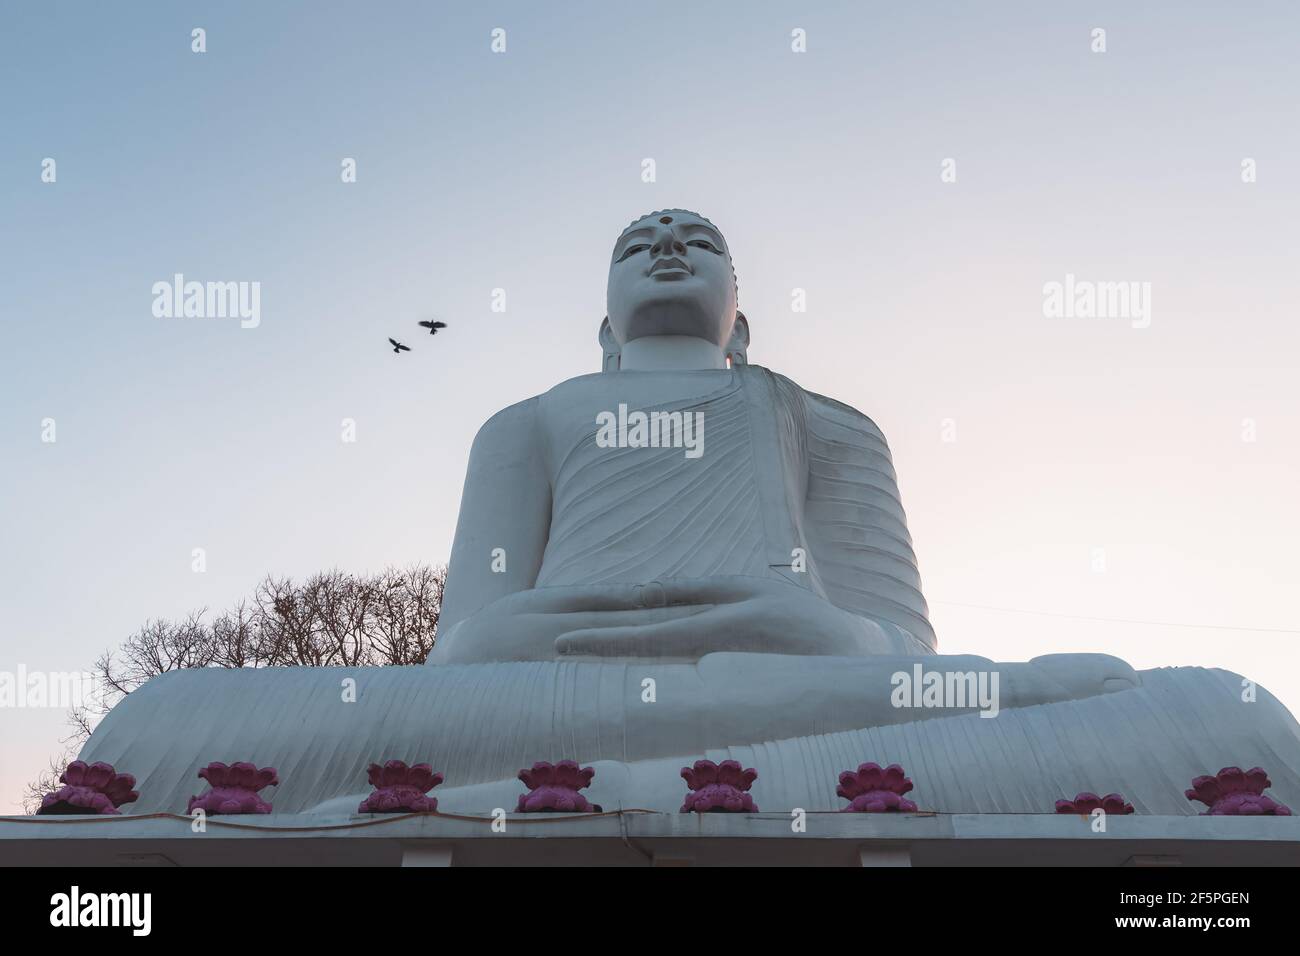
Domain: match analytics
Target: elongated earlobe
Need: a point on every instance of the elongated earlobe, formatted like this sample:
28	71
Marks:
609	345
738	346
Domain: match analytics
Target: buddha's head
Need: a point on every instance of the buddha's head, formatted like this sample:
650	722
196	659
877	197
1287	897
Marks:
671	274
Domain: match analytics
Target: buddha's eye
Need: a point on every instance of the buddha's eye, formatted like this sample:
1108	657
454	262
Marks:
633	250
704	244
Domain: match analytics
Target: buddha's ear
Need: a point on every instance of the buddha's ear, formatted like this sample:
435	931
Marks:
609	345
738	345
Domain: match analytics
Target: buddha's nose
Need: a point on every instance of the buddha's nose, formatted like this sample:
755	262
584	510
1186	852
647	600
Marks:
667	245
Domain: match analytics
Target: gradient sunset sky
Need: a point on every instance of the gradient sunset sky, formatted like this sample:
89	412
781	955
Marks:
1100	494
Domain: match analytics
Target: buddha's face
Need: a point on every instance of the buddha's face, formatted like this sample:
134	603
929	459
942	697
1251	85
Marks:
671	275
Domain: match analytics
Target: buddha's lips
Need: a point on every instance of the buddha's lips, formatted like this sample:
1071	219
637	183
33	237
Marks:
662	265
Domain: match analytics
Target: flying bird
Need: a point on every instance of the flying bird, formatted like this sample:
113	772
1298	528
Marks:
398	347
433	327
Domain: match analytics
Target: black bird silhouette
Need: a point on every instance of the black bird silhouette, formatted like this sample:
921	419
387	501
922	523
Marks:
398	347
433	327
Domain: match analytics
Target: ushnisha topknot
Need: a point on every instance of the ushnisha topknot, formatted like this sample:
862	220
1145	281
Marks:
688	212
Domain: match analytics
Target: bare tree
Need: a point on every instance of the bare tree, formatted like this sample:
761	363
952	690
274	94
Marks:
288	621
341	606
156	648
238	640
405	617
48	779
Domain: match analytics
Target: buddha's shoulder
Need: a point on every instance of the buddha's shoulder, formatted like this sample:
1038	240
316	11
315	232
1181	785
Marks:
822	407
581	391
637	389
579	387
526	414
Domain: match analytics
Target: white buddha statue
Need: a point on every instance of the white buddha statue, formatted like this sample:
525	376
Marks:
784	535
685	555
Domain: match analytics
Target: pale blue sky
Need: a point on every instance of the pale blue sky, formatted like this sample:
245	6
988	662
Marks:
518	171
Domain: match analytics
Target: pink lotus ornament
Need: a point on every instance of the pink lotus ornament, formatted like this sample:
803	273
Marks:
719	788
553	788
1233	792
1086	802
95	788
873	789
234	788
401	789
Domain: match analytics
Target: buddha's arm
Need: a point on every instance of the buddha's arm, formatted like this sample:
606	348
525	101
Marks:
506	505
860	547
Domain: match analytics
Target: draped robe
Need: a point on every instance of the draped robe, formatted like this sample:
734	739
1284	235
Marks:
788	484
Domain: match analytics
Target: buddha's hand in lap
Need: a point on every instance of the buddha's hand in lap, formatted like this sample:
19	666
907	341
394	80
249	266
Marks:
682	619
